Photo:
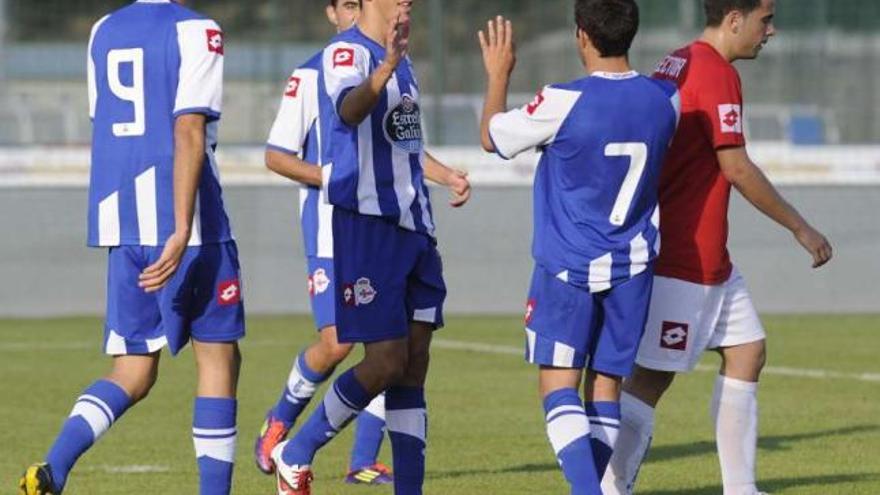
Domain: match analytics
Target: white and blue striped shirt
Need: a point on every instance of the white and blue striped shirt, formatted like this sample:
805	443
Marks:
375	168
148	63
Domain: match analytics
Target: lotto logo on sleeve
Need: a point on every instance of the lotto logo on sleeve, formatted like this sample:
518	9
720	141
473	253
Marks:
215	41
731	118
292	87
674	336
343	57
229	293
532	107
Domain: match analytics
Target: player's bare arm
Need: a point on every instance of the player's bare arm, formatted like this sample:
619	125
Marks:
294	168
751	182
499	59
453	179
360	101
189	157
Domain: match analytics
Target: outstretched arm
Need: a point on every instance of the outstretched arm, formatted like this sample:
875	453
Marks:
499	59
454	180
751	182
294	168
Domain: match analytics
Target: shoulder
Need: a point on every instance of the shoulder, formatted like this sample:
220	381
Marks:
313	63
344	52
665	87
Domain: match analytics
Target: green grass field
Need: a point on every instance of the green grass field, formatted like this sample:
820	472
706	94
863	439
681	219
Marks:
819	434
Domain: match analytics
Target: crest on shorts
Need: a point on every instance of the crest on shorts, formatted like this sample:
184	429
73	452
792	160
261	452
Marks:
360	293
674	335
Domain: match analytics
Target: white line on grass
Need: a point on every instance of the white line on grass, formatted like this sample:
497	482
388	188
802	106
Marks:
457	345
131	469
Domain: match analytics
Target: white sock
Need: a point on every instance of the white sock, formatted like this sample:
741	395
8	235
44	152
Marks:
633	442
735	414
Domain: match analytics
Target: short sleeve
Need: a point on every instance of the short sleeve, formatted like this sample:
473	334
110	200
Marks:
200	83
346	66
720	101
297	112
534	125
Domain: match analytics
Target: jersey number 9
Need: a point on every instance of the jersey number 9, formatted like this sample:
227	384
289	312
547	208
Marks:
133	93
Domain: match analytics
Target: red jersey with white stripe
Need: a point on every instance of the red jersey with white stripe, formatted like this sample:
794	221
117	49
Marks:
694	194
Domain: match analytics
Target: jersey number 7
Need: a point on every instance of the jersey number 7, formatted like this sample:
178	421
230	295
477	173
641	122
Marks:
133	93
638	158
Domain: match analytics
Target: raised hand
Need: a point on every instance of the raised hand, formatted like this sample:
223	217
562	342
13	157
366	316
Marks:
397	39
499	50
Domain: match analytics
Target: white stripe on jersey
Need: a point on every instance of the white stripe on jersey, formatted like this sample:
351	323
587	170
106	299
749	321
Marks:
534	125
90	69
600	273
655	221
195	237
108	220
147	215
201	69
638	255
403	184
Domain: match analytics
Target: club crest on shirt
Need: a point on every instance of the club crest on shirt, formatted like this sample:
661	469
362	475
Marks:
403	125
215	41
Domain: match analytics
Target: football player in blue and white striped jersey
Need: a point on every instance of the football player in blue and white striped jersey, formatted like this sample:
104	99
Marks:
155	74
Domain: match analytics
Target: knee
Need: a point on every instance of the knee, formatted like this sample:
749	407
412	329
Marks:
136	383
648	385
334	353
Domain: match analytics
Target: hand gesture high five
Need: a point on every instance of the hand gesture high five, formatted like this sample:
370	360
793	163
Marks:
499	51
397	39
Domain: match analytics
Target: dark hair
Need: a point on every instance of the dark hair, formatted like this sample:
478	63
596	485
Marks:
610	24
716	10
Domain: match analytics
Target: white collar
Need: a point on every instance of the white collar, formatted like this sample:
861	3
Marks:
615	76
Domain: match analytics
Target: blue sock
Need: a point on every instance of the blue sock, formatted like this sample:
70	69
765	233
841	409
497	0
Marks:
341	404
94	412
406	414
298	392
368	435
569	433
604	428
214	435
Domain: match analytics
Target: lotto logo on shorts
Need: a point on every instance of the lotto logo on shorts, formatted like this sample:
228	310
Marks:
229	293
530	311
674	336
359	293
343	57
215	41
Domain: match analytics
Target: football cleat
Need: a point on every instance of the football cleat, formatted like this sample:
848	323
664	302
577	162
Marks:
291	479
377	474
271	434
37	480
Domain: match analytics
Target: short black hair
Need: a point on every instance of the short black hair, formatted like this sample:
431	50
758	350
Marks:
611	24
716	10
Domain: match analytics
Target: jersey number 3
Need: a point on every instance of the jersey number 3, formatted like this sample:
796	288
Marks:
133	94
638	158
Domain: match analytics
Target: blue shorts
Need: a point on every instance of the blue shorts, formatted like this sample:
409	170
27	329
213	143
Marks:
201	301
569	327
322	287
386	277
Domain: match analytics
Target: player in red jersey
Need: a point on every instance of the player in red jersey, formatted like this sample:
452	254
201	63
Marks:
700	300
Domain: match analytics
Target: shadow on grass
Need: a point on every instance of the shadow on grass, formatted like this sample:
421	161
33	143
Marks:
776	484
771	443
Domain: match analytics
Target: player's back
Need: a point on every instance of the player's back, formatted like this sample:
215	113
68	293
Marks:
596	186
150	62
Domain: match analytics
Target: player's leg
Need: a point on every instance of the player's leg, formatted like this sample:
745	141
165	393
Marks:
133	336
214	414
364	466
740	340
204	305
681	319
624	313
406	405
560	320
